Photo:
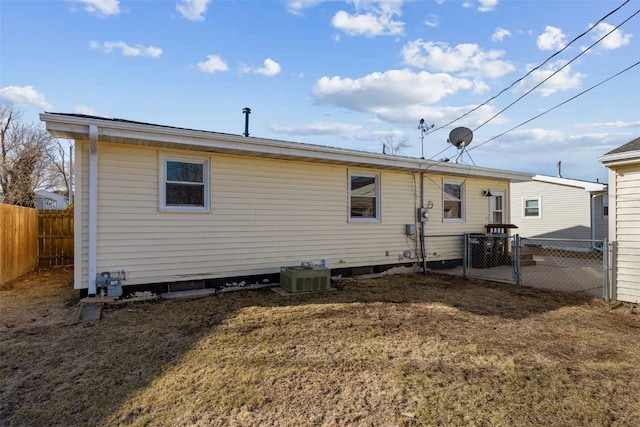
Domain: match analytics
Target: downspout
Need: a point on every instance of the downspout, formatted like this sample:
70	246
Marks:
422	225
93	207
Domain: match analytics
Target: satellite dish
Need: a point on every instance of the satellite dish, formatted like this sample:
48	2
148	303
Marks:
460	137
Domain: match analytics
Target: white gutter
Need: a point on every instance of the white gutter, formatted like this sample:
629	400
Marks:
620	159
93	207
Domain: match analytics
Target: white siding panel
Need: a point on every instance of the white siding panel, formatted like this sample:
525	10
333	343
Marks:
628	233
264	214
565	211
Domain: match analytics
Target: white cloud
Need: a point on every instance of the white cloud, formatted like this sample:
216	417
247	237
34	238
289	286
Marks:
395	95
25	95
101	7
297	6
433	21
487	5
551	39
213	64
499	34
466	58
366	24
564	80
193	10
614	40
126	49
371	18
318	128
616	124
439	114
270	68
83	109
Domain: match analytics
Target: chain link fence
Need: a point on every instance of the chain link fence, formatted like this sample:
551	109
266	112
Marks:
567	265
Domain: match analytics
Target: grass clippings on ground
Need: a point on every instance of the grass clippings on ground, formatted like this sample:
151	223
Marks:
404	350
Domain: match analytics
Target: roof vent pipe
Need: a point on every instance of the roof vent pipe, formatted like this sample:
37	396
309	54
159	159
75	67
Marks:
559	168
246	112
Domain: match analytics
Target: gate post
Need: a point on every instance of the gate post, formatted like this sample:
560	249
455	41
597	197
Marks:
465	253
605	270
515	250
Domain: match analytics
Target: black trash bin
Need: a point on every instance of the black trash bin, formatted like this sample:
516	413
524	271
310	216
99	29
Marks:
481	250
499	252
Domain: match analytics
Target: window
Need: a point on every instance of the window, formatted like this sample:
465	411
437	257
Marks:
605	206
453	201
364	197
496	208
184	184
531	208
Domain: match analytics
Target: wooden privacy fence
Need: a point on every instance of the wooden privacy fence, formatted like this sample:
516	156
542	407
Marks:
55	237
18	241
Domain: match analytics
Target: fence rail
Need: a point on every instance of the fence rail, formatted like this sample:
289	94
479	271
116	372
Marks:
568	265
18	241
55	237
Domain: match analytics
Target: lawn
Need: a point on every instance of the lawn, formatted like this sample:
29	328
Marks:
404	350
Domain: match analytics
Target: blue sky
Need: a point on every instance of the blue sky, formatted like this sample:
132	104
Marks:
340	73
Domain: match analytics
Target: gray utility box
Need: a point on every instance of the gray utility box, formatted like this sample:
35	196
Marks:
305	278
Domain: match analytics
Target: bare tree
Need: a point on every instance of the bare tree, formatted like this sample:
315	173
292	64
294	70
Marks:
392	145
25	155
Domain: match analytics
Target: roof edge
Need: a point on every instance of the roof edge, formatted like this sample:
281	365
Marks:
77	126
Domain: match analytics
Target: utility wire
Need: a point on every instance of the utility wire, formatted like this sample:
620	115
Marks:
533	69
557	71
545	80
558	105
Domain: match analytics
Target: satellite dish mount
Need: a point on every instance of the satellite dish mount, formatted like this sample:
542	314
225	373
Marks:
460	138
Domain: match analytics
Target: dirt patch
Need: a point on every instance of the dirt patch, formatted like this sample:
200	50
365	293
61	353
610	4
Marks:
403	350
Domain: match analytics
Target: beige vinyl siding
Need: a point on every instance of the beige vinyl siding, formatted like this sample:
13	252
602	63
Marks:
476	215
264	214
565	212
627	211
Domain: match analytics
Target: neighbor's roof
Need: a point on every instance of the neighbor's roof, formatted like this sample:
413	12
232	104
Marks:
625	154
76	126
586	185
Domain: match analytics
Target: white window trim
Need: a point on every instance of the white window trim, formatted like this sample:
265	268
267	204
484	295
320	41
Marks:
463	204
376	177
524	201
162	190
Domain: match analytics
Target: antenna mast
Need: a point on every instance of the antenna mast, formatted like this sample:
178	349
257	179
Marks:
423	129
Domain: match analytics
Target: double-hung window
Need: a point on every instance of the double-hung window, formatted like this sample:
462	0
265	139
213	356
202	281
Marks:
364	197
184	183
531	207
453	201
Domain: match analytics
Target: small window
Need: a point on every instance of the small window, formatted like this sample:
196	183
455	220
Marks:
531	208
184	184
364	197
605	206
453	201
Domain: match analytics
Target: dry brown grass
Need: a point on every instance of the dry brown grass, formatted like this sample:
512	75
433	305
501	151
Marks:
406	350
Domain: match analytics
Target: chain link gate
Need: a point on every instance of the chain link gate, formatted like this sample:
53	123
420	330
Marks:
566	265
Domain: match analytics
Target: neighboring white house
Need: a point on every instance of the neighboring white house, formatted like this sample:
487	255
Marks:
168	204
49	200
560	208
624	226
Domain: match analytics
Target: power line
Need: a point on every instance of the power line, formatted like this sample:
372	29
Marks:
556	106
533	69
557	71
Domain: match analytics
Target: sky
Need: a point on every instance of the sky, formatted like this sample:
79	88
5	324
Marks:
346	74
